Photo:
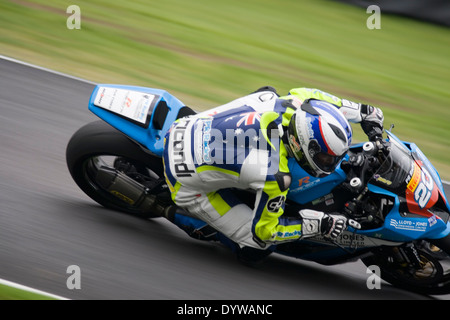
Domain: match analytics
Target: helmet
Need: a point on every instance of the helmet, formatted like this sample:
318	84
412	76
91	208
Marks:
318	137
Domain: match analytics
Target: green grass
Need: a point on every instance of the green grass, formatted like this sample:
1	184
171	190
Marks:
10	293
210	52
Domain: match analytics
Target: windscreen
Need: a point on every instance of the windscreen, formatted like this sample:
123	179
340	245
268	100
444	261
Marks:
396	169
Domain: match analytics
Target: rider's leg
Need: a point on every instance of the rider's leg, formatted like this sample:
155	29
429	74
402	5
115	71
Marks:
222	211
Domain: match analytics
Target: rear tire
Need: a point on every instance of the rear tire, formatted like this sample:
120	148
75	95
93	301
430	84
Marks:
96	140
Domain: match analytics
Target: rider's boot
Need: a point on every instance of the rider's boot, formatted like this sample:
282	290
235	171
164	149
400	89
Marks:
161	208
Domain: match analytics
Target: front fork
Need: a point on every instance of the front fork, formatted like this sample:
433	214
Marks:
407	255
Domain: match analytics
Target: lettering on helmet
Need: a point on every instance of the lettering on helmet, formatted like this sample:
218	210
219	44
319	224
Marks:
293	142
310	128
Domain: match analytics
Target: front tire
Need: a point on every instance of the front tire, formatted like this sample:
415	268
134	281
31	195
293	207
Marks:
431	277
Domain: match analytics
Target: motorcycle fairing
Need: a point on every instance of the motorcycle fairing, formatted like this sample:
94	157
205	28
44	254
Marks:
143	114
305	188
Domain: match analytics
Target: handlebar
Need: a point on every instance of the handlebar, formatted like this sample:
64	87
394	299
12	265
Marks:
368	161
361	167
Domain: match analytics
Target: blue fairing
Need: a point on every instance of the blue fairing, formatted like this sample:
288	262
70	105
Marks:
305	188
398	227
145	134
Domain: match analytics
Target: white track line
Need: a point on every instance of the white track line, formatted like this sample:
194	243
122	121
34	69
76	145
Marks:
29	289
45	69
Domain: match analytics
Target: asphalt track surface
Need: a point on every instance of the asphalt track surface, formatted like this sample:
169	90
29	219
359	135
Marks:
47	224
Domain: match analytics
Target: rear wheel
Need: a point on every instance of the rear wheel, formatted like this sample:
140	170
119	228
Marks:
422	267
115	171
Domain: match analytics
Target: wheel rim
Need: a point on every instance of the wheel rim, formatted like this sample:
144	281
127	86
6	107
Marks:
431	276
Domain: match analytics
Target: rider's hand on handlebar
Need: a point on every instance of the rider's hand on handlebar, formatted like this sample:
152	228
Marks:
333	225
329	225
372	121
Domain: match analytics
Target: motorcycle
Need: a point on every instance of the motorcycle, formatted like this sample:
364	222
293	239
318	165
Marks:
388	187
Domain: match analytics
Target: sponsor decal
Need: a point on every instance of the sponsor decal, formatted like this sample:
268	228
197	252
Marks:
415	178
206	154
411	225
432	220
310	128
294	144
379	178
304	180
127	103
306	185
122	197
180	166
327	199
274	204
287	234
347	239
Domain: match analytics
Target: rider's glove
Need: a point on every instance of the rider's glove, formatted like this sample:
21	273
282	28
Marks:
372	121
317	223
333	225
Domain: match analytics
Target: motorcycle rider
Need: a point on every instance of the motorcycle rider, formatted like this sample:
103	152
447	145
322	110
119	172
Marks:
245	144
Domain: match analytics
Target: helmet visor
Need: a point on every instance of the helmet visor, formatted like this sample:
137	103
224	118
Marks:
326	162
323	160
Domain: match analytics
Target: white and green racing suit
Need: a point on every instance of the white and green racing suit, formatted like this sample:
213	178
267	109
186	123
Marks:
239	146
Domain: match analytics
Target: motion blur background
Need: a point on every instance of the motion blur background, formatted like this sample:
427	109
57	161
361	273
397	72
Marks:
209	52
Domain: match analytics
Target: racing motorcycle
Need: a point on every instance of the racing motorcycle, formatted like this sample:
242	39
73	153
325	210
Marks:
389	188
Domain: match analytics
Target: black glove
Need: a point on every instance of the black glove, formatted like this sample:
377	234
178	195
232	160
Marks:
333	225
373	132
372	122
317	222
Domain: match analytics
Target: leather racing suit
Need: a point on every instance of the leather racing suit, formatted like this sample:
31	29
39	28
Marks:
240	145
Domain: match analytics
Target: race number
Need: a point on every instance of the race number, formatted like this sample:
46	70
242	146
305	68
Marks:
421	185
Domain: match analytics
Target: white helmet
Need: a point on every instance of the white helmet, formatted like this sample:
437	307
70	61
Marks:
319	137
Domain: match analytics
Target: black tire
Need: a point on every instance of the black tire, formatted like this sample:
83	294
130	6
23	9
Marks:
433	253
98	139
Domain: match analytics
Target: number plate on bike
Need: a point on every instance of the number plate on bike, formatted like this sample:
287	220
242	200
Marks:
130	104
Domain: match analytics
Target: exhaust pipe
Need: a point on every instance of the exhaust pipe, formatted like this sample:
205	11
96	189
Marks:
126	189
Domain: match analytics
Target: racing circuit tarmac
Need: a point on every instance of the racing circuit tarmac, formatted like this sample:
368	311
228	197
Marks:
47	224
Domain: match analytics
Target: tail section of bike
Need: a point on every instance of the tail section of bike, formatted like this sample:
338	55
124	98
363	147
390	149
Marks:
142	114
117	162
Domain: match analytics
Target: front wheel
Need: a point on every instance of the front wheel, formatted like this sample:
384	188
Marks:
422	267
115	171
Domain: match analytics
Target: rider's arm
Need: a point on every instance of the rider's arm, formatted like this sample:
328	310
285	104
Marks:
370	118
268	224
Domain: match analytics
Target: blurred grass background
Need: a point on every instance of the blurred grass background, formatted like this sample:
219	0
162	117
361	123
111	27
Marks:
10	293
210	52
